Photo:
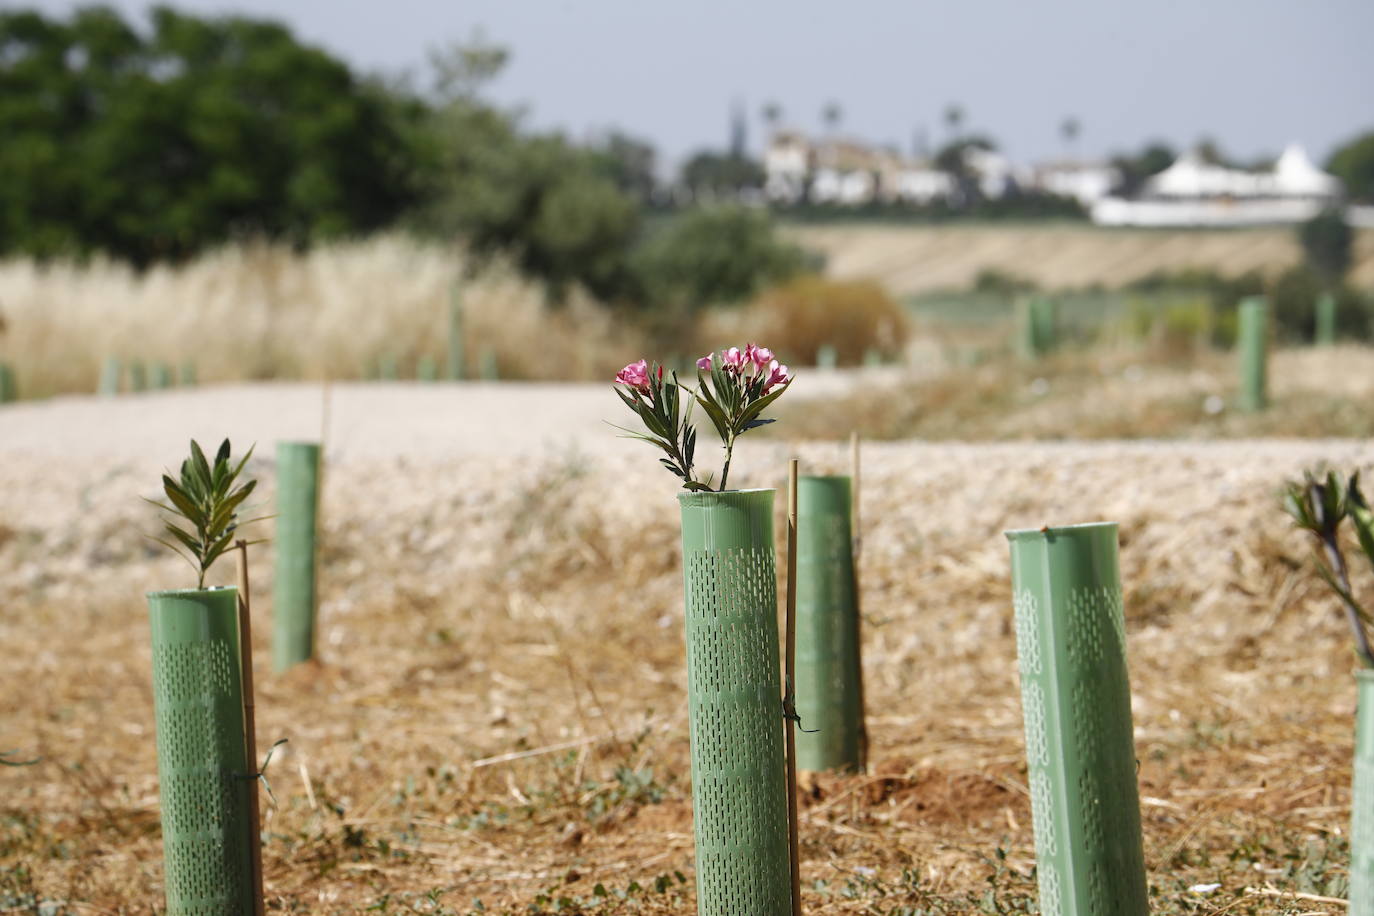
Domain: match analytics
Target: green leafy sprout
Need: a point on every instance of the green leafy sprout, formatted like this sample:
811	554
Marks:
1320	506
205	501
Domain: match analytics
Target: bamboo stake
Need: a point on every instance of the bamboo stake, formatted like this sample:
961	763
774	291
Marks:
250	729
856	533
790	663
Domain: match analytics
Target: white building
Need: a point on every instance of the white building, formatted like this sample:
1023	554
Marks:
847	173
1191	192
1085	182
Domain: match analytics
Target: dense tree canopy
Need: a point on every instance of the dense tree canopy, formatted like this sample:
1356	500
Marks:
1353	163
154	145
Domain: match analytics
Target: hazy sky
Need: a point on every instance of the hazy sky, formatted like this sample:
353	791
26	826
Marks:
1255	74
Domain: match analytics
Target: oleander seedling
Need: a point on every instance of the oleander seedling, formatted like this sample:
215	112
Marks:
204	507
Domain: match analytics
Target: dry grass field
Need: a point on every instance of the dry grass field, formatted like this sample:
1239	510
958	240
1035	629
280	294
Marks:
498	711
918	259
258	311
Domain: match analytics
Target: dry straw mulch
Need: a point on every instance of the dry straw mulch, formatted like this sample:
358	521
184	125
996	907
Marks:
498	710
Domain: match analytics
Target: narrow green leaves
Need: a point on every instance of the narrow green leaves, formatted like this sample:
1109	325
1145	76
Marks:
204	497
1319	505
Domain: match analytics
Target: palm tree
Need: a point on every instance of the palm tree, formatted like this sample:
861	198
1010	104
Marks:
1069	129
954	119
832	114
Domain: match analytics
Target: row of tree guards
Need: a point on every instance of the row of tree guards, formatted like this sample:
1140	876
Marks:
1070	634
752	726
1037	335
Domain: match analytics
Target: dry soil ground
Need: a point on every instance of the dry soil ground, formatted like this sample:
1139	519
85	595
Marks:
498	708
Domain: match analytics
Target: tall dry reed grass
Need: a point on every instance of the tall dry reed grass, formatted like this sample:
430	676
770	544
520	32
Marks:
257	311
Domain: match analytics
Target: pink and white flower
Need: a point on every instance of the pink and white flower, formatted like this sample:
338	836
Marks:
759	356
704	363
733	359
636	376
777	375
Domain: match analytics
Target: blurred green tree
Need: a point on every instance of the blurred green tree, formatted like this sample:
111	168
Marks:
1353	163
711	174
1327	241
715	255
154	146
555	209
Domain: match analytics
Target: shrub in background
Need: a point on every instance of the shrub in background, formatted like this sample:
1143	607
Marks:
811	311
716	255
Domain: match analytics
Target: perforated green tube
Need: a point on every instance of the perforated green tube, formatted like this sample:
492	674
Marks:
427	369
293	591
1326	320
1027	343
1362	801
1045	321
1253	344
160	376
827	357
1076	699
388	368
455	334
188	375
202	774
491	369
138	376
827	627
9	388
109	377
739	784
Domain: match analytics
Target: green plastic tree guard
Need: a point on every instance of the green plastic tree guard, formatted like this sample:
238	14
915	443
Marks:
455	334
1044	317
388	368
293	593
1076	699
9	388
827	357
1362	801
827	689
202	772
109	377
138	376
427	369
739	783
187	375
491	369
160	376
1326	320
1026	345
1253	339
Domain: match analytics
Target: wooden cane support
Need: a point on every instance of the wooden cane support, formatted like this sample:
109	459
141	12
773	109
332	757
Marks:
250	732
790	664
856	534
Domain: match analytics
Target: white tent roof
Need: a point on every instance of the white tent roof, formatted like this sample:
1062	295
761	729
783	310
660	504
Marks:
1295	174
1189	176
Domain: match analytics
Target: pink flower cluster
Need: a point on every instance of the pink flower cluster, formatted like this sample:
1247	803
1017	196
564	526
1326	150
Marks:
751	361
636	375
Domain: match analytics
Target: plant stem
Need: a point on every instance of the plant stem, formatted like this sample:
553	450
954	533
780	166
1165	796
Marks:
1337	560
725	474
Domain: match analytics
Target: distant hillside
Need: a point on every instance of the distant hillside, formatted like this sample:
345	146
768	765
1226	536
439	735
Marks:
916	259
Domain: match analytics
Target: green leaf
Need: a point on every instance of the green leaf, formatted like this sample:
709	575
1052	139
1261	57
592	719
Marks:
191	542
754	409
200	467
182	500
